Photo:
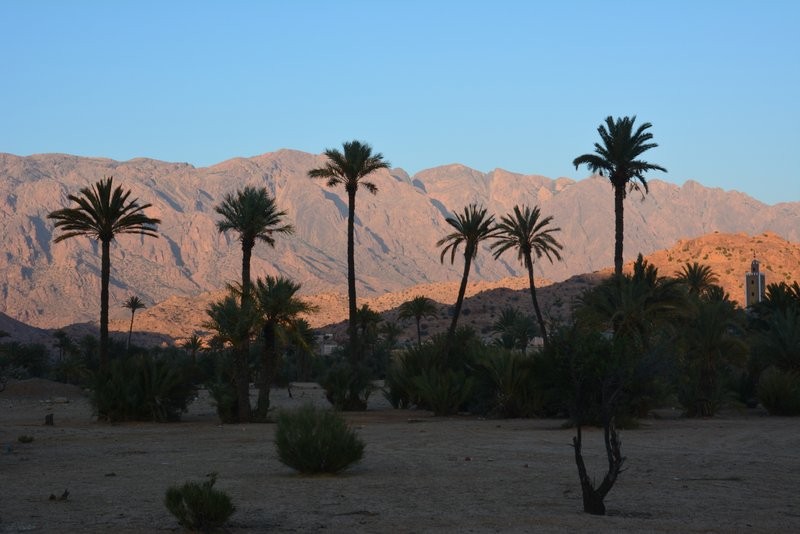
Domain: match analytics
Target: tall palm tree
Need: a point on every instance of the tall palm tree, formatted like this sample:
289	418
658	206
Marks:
616	158
252	213
418	308
471	227
278	310
697	278
103	212
525	231
133	303
350	168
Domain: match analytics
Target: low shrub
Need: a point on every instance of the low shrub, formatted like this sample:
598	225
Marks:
506	380
312	441
444	391
347	386
142	388
779	391
198	506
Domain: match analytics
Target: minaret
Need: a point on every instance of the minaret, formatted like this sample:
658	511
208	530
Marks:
753	284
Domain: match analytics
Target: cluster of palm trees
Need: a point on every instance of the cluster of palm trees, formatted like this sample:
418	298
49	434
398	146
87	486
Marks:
103	212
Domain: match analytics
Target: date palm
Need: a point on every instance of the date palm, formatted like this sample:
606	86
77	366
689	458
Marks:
616	159
278	309
697	278
471	227
133	303
252	213
350	168
102	212
418	308
531	235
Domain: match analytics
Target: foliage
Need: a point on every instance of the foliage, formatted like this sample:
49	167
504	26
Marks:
198	506
23	360
418	308
779	391
347	385
515	329
443	391
507	379
313	441
142	388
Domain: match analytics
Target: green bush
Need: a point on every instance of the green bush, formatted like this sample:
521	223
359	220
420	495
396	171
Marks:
779	391
198	506
347	385
313	441
142	388
506	379
444	391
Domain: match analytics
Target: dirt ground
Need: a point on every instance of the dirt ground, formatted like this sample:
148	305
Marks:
735	473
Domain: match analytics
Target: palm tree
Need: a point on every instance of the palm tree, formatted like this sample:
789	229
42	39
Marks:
471	227
133	303
515	328
103	212
418	308
193	344
524	231
616	158
252	213
697	278
278	310
350	168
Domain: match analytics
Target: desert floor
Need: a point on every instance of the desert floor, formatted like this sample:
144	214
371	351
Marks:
734	473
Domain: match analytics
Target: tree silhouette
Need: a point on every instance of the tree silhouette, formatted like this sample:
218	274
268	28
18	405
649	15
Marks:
278	309
349	168
531	236
133	303
252	213
698	278
616	158
103	212
418	308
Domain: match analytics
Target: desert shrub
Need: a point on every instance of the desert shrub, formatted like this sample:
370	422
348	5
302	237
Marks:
347	384
506	380
142	388
313	440
23	360
198	506
443	391
779	391
24	438
218	368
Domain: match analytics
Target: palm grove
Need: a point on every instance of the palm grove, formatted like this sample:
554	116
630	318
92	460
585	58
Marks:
636	341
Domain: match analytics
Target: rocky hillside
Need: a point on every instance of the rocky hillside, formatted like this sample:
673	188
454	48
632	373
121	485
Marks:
50	285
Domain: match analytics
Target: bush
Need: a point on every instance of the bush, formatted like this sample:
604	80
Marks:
444	391
198	506
347	386
779	392
142	388
314	441
506	379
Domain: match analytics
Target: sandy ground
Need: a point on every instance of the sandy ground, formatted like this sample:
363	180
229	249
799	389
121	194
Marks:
736	473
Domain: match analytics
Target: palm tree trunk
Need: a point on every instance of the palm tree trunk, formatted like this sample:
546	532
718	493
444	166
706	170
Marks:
352	327
268	367
619	226
419	332
241	361
451	333
130	332
532	284
105	278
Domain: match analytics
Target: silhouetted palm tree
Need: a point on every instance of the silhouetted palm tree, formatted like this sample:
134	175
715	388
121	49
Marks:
252	213
515	328
193	344
524	231
103	212
616	158
133	303
471	227
697	278
349	168
418	308
278	310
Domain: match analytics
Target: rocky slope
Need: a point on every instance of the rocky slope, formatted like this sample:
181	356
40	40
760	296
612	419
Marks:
49	285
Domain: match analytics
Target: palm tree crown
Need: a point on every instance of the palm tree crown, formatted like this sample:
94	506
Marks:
616	159
698	278
531	235
350	167
471	227
102	213
418	308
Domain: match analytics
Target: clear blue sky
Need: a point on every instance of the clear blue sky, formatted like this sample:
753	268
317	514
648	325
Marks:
520	85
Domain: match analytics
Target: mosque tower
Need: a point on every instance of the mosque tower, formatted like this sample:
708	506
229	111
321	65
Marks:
754	285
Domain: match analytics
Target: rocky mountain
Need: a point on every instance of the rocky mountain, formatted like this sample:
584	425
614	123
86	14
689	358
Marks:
50	285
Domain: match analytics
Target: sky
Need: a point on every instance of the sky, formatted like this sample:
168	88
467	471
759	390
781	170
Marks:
516	85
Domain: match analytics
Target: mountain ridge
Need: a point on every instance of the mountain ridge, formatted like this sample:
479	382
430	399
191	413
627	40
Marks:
48	285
